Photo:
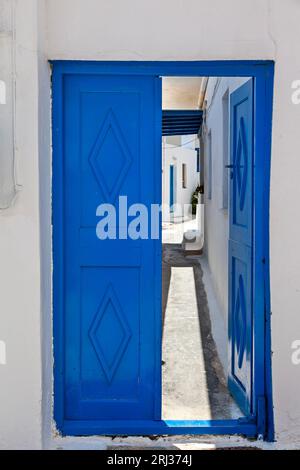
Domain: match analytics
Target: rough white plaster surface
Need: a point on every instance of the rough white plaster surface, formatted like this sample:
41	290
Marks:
20	275
8	187
135	30
156	30
183	443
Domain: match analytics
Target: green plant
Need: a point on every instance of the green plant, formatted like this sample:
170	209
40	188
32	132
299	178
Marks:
194	198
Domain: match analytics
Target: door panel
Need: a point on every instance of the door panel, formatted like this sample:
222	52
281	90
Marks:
241	148
109	310
240	246
240	323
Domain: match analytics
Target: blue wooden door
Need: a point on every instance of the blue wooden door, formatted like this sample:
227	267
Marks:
171	188
108	291
240	245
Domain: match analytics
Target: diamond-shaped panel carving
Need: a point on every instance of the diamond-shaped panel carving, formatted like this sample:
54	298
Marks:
241	164
109	333
110	158
240	321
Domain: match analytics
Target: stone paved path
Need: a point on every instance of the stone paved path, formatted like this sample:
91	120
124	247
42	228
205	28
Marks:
194	385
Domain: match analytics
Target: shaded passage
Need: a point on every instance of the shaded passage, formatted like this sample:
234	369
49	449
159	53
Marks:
194	384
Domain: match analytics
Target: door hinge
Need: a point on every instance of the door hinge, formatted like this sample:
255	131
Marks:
261	416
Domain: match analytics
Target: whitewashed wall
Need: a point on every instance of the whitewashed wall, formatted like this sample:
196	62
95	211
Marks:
176	156
135	30
20	253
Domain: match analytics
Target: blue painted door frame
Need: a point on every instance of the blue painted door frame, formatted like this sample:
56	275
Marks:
261	419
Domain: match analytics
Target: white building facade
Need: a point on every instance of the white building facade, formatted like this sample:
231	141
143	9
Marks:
181	172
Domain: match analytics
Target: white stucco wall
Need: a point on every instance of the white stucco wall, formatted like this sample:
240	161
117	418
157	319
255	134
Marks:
176	156
135	30
20	273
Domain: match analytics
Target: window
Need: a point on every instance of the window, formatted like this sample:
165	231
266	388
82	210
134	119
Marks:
209	166
225	143
184	178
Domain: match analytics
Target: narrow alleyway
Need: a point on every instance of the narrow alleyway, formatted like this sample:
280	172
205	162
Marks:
194	384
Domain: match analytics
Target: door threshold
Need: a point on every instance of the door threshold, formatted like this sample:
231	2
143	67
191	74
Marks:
168	427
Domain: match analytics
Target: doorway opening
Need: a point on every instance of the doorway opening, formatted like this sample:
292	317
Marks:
117	370
195	246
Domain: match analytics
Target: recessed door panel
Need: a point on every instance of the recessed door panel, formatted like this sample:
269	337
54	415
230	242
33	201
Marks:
109	312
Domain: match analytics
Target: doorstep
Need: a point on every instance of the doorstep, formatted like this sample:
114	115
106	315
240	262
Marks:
156	443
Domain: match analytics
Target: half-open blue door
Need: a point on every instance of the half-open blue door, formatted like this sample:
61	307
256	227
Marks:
106	292
240	245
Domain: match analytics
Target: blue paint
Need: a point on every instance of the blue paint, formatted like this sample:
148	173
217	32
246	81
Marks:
171	196
263	99
198	160
222	68
140	427
106	286
240	311
262	72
